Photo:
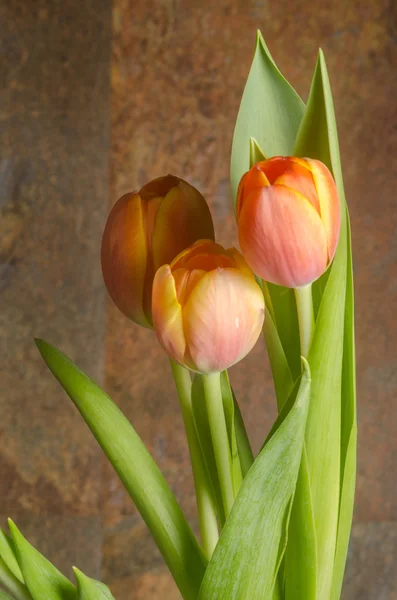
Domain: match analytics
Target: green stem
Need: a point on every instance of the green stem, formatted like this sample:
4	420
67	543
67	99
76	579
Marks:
205	502
13	585
304	304
220	440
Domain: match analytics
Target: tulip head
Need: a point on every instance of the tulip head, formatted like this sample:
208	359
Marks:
288	216
145	230
208	310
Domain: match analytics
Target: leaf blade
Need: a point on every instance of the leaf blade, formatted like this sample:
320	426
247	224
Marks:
145	484
43	580
90	589
275	130
260	512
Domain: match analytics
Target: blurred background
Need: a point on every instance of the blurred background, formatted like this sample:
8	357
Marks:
97	98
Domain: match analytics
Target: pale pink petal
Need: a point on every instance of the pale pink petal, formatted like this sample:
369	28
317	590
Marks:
222	319
282	237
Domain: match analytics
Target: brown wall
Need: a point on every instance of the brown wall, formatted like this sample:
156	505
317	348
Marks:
165	100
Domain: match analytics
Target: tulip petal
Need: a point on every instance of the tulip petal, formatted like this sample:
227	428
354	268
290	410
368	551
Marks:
299	177
124	257
182	218
223	319
254	179
282	237
329	203
167	314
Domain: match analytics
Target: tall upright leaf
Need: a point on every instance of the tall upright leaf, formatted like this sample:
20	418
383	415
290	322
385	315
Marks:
331	357
8	554
246	560
136	469
270	111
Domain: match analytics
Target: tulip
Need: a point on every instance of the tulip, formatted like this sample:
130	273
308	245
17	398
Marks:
288	220
208	310
145	230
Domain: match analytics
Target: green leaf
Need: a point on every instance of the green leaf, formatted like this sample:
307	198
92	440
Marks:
89	589
228	407
243	567
300	558
42	578
243	444
136	469
270	111
317	138
282	377
348	432
12	583
256	152
5	596
7	553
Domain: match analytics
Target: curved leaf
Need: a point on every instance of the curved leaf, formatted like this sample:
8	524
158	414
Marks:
89	589
7	553
42	578
243	566
12	583
136	469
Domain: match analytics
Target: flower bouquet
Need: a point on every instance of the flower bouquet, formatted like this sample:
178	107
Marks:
275	526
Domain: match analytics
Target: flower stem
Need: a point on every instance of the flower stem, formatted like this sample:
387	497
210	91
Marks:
220	440
205	501
304	304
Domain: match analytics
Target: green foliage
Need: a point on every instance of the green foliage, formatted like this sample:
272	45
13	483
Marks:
42	578
89	589
243	566
136	469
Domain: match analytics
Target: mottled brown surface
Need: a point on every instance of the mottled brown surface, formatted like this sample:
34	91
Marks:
54	115
177	75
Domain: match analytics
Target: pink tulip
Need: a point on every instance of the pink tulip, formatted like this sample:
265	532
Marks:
288	219
208	310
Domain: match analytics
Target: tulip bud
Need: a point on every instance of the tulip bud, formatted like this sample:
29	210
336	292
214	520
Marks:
208	310
145	230
288	219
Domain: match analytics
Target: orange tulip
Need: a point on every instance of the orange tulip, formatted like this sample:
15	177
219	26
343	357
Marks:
208	310
145	230
288	219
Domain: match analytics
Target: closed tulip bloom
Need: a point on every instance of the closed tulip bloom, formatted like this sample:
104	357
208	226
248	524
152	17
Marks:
145	230
208	310
288	219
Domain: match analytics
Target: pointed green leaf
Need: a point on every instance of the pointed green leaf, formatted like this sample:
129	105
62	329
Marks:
89	589
42	578
136	469
348	434
326	446
243	567
270	111
8	554
256	152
